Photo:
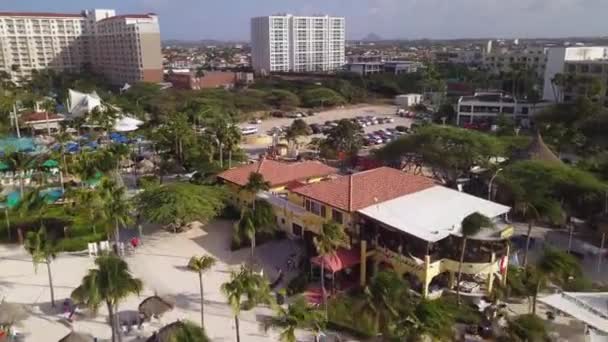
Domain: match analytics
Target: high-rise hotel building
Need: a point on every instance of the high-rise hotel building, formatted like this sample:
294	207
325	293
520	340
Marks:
125	48
287	43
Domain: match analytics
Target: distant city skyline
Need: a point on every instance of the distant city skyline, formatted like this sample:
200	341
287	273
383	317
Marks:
390	19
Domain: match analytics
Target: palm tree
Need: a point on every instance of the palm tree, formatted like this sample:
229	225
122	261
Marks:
188	332
90	205
219	127
255	184
116	206
20	162
246	283
533	206
201	264
298	315
330	238
471	225
42	251
253	222
111	282
557	267
232	140
62	138
384	296
49	106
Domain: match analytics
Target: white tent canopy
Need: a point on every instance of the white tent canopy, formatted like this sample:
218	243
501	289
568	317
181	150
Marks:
81	103
590	308
127	124
432	214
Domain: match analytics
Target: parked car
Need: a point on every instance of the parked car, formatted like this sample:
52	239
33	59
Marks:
295	115
315	128
255	121
249	130
277	114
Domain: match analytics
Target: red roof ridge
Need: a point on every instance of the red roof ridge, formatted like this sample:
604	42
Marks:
350	192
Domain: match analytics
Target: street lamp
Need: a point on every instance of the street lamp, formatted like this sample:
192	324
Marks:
490	184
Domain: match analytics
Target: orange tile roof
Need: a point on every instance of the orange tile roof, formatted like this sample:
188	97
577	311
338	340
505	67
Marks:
360	190
277	173
39	116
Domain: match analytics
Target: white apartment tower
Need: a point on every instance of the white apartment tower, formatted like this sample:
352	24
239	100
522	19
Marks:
287	43
125	48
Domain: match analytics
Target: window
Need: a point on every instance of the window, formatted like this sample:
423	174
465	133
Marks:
465	109
315	208
337	216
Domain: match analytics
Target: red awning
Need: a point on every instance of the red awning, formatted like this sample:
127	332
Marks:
343	258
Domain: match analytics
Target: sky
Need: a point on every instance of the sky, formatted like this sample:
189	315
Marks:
390	19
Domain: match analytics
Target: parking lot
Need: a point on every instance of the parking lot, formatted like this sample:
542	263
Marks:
321	118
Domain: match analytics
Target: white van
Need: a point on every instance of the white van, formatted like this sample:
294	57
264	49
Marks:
250	130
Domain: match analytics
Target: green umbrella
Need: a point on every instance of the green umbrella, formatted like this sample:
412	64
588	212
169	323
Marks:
3	166
50	163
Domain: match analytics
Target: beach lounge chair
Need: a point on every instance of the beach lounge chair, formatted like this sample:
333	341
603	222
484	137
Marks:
104	246
92	249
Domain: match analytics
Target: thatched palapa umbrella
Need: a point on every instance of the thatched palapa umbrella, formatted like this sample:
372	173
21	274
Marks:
77	337
154	306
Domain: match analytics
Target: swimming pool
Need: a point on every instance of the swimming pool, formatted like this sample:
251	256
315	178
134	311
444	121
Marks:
18	144
51	195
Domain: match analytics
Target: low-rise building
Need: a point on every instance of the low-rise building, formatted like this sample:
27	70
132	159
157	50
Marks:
209	79
503	60
280	175
389	67
483	109
41	121
571	62
408	100
393	219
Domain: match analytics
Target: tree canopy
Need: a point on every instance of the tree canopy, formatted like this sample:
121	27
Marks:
181	203
449	151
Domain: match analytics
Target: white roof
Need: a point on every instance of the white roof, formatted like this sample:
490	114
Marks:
127	124
82	103
590	308
432	214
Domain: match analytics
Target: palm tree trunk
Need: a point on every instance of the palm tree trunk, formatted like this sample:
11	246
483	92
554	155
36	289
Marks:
323	286
111	319
535	296
236	325
116	235
22	183
118	324
230	158
252	246
48	270
528	238
221	155
459	277
200	280
48	125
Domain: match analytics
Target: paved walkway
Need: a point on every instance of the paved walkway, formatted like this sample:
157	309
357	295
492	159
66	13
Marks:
160	262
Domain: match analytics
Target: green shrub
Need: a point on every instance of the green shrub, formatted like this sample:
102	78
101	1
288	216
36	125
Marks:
78	244
344	314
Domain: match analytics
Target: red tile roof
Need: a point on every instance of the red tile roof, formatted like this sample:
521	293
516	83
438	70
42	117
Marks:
278	173
39	116
41	14
360	190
